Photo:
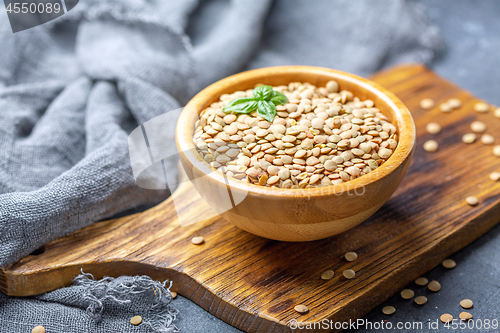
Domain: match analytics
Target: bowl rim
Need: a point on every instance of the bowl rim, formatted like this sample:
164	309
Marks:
403	120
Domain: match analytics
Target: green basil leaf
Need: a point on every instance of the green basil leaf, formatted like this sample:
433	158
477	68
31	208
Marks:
278	98
263	93
241	105
266	110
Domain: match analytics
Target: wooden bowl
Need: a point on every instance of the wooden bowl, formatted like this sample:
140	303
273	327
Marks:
297	214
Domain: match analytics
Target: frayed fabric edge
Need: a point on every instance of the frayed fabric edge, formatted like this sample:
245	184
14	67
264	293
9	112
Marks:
160	315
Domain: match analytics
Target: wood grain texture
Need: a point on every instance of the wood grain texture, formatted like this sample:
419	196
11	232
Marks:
253	283
297	215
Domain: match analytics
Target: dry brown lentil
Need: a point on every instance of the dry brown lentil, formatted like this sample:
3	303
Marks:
495	176
385	153
38	329
349	274
407	293
263	179
454	103
332	86
465	316
420	300
136	320
174	294
330	165
497	112
301	308
481	107
469	138
449	263
431	146
478	126
273	180
388	310
351	256
434	286
446	318
471	201
308	136
421	281
327	275
487	139
433	128
496	151
197	240
427	103
466	303
445	107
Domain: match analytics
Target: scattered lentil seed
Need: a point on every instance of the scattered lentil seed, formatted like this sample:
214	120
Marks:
495	176
449	263
497	112
421	281
38	329
301	308
427	103
481	107
197	240
445	107
496	151
431	146
478	126
351	256
349	274
487	139
174	294
454	103
388	310
466	303
465	316
433	128
327	275
446	318
434	286
420	300
469	138
471	201
407	293
136	320
313	135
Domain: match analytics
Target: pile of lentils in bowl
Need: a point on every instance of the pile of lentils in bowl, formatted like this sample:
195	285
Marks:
321	137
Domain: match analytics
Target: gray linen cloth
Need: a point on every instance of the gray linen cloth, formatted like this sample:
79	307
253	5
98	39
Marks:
72	90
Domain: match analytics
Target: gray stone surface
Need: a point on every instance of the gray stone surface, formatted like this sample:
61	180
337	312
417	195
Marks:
471	31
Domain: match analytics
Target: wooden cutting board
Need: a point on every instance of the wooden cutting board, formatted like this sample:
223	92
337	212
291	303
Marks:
253	283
